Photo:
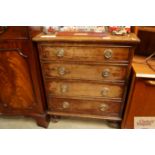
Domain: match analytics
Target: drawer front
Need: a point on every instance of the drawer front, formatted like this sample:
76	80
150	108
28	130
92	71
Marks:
85	72
85	89
90	107
86	54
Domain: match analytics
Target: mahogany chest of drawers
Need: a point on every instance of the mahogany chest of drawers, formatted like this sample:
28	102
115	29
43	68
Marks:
86	76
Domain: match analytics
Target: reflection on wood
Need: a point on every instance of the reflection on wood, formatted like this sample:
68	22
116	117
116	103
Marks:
16	87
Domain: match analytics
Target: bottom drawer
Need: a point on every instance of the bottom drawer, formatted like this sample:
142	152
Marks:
89	107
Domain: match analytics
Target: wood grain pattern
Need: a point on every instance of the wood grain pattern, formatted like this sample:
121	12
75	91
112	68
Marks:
14	32
147	37
130	39
85	72
141	97
32	70
16	86
141	103
143	70
90	107
84	53
20	79
108	118
84	89
74	74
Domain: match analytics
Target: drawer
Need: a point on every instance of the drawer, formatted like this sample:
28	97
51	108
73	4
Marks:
84	89
89	107
13	32
84	72
85	53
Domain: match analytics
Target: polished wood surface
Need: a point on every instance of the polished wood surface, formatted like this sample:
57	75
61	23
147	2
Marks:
17	57
130	38
115	119
34	30
147	36
146	28
141	97
80	73
14	32
85	89
21	84
142	69
85	72
84	53
90	107
16	85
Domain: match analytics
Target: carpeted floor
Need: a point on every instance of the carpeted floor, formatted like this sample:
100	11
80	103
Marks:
63	123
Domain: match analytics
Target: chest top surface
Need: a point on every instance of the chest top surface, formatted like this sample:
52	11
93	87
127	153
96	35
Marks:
108	38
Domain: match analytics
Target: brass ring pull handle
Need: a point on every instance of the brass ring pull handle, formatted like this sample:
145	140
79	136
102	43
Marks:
60	53
3	29
108	53
106	73
65	105
149	82
64	88
62	71
15	49
105	91
104	107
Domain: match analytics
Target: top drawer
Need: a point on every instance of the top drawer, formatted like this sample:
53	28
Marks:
13	32
85	53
